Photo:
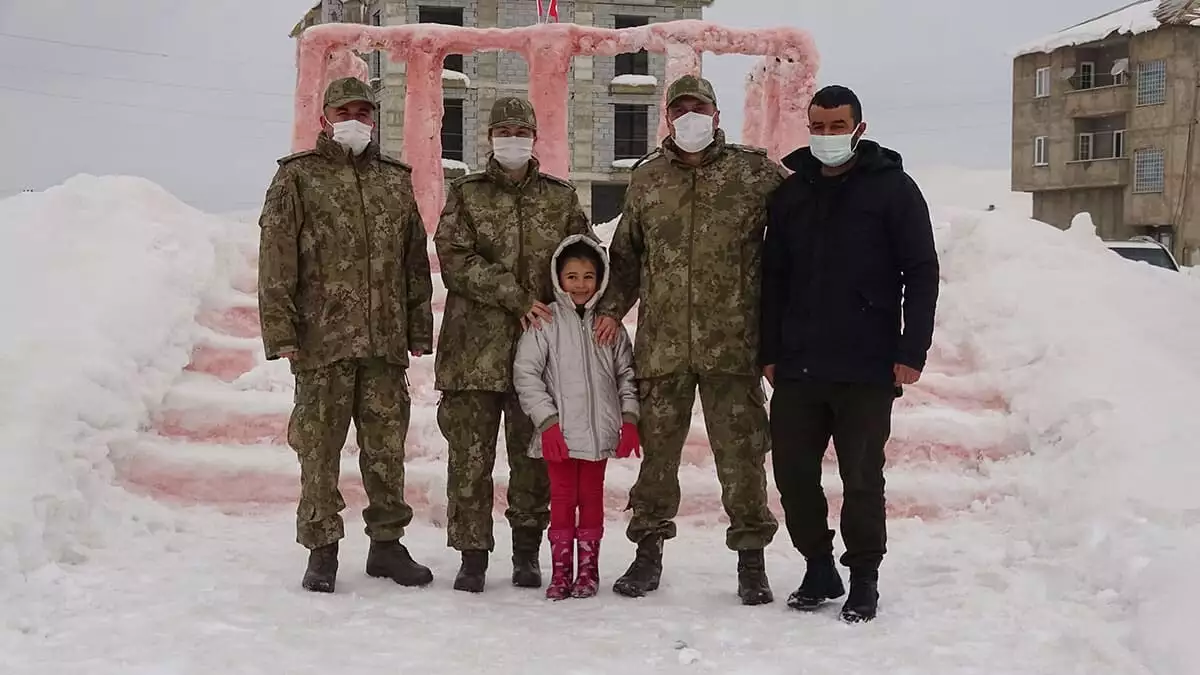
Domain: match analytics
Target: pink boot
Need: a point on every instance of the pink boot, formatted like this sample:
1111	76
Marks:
562	557
588	580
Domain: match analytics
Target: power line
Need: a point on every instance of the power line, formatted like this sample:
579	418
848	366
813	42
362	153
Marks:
140	106
122	50
158	83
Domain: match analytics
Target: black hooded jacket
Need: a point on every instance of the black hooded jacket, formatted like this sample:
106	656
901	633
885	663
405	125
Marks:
845	258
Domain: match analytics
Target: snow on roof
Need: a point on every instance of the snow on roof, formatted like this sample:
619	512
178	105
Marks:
1136	17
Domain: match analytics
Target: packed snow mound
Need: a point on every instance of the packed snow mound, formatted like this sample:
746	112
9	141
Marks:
102	278
1099	357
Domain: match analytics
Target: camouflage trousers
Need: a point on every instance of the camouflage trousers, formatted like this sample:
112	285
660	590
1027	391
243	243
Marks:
374	394
470	421
738	431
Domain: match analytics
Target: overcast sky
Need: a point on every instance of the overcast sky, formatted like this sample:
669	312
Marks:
196	95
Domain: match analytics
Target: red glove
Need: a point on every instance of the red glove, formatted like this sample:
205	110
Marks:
630	444
554	446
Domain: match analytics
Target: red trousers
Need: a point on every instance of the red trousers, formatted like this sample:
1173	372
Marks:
576	494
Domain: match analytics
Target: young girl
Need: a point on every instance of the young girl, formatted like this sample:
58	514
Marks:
583	399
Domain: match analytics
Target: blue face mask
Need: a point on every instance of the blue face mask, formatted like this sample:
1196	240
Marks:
833	151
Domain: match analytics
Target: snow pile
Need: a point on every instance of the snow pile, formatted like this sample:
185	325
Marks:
625	163
1128	20
635	80
1099	358
455	76
102	280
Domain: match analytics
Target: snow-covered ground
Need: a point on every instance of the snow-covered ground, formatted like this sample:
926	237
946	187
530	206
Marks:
1042	479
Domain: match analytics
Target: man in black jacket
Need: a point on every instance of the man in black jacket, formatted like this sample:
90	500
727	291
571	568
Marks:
849	254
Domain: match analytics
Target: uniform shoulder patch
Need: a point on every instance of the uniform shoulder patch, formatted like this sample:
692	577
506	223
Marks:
648	157
555	179
294	156
395	162
747	148
472	177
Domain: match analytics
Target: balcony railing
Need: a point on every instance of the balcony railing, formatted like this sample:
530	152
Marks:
1087	81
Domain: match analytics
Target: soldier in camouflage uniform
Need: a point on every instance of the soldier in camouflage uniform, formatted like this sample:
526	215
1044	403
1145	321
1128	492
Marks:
497	234
688	247
344	294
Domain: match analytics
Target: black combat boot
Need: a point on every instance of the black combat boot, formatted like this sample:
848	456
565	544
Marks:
321	575
473	572
863	600
753	586
527	547
821	582
391	560
644	573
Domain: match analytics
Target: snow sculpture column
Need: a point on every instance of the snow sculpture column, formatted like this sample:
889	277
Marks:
549	61
423	112
795	86
312	66
752	113
682	60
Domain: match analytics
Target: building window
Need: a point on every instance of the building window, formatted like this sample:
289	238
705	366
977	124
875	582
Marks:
632	64
447	16
1084	146
1039	151
452	129
1118	140
1149	170
1087	75
608	200
1041	85
630	135
1152	83
375	62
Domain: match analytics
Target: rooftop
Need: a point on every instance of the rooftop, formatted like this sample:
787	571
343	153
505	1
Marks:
1142	16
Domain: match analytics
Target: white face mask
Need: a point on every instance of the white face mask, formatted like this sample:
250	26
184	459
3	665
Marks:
833	151
512	152
694	132
352	135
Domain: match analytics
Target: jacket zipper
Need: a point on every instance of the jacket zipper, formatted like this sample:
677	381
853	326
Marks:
587	378
367	240
691	264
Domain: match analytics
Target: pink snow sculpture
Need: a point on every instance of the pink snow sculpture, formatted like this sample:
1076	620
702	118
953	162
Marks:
790	68
752	120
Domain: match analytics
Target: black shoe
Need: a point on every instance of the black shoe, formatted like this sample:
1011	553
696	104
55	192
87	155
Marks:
863	601
472	574
753	586
391	560
644	573
527	546
321	575
821	582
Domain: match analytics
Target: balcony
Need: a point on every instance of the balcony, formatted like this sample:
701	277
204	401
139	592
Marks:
1097	173
1101	100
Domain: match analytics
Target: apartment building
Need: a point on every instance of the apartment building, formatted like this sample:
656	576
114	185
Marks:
1104	121
614	101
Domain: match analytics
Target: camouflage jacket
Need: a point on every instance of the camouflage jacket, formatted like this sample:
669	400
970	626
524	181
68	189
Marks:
343	270
689	249
495	241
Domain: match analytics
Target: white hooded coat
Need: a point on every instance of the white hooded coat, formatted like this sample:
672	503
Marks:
562	376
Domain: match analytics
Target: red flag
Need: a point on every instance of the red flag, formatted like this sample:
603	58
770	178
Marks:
553	13
539	14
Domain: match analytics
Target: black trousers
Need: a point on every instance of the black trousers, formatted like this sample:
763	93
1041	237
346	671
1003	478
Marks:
858	417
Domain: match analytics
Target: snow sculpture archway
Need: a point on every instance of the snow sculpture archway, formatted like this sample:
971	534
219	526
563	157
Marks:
778	89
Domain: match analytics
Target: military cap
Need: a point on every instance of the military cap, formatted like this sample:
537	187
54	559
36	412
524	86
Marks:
512	110
690	85
347	90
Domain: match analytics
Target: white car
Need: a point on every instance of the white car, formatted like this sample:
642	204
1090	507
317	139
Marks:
1145	249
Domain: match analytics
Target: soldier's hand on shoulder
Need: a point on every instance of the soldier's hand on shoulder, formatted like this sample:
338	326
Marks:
606	329
417	352
537	315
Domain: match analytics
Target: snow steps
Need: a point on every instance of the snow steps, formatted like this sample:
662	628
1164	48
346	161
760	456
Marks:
219	436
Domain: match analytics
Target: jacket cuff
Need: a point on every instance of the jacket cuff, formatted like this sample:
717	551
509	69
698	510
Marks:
547	423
